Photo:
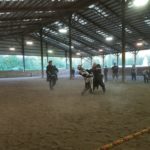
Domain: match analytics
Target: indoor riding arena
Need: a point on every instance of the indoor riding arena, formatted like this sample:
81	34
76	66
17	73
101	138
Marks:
74	75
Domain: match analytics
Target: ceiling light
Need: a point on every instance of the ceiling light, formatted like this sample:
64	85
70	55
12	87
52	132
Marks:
110	38
139	44
12	49
139	3
78	54
63	30
91	6
100	50
50	51
29	43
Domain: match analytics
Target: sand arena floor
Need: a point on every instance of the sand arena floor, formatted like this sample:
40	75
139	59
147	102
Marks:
34	118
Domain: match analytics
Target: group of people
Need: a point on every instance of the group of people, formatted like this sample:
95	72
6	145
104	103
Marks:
145	73
93	78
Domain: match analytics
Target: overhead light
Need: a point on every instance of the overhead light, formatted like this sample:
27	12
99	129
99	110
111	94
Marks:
50	51
12	49
63	30
91	6
109	38
139	3
78	54
72	46
29	43
100	50
139	44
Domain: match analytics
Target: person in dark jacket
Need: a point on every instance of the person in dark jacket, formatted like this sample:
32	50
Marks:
51	72
72	73
133	72
115	71
98	77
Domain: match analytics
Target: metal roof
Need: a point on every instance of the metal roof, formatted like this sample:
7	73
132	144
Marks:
92	21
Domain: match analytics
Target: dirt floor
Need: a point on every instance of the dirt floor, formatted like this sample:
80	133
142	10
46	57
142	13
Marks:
34	118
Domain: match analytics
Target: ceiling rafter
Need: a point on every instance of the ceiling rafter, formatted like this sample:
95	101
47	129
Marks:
104	29
89	34
79	40
58	39
127	22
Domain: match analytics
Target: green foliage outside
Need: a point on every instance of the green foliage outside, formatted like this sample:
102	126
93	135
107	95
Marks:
15	62
12	62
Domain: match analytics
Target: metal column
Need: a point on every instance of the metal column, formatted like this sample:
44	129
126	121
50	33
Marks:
70	43
91	61
135	54
66	59
41	44
81	60
117	58
103	56
23	52
46	51
123	39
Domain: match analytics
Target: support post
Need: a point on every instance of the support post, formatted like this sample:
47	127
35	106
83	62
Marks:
23	52
81	60
103	56
70	43
46	51
117	58
135	54
123	39
91	60
41	44
66	59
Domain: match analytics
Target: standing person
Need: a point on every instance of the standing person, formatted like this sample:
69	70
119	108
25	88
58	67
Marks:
106	73
115	71
51	72
98	77
146	75
72	73
133	72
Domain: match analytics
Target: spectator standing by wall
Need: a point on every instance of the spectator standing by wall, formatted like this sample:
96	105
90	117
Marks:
133	72
115	71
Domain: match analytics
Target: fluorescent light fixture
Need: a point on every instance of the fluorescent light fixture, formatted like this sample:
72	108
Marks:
29	43
63	30
50	51
72	46
139	3
109	38
100	50
12	49
91	6
78	54
139	44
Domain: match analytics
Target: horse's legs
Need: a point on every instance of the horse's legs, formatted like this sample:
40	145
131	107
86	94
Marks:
50	84
87	87
101	83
